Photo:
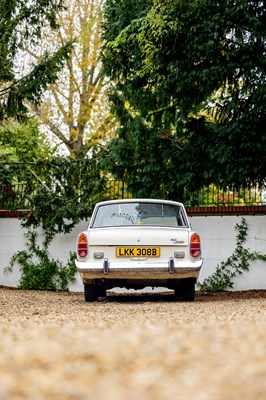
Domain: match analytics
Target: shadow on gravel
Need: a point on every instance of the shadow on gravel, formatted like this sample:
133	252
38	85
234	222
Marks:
140	297
169	297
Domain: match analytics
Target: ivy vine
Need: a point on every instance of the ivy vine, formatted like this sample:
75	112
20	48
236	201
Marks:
38	270
235	265
60	193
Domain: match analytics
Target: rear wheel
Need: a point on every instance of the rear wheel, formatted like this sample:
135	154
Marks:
185	290
101	290
90	292
93	291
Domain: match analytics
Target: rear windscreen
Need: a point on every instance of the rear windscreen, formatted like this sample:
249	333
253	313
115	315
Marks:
135	213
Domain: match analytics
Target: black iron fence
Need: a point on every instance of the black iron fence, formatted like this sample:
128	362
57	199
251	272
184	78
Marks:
13	197
17	197
117	190
215	196
207	196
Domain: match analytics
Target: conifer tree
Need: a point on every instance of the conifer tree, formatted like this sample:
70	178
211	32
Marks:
190	92
22	21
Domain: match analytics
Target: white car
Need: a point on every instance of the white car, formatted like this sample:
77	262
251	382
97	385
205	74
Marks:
136	243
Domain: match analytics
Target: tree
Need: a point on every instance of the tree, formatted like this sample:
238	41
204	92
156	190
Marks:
22	147
22	21
24	142
192	75
75	108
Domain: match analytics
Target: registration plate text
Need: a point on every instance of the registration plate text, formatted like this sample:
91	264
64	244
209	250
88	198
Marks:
138	252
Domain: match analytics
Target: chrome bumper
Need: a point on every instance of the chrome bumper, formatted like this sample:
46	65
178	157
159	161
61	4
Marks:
139	270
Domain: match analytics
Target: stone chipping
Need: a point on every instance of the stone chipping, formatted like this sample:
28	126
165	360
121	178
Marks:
54	345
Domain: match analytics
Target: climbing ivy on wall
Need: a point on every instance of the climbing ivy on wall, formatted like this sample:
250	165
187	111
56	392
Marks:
38	270
61	193
235	265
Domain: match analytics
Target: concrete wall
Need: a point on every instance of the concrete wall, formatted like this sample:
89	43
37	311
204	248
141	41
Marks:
218	236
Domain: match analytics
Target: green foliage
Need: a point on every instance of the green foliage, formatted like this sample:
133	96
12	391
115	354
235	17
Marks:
38	271
235	265
24	142
31	86
142	157
60	192
191	75
69	190
22	22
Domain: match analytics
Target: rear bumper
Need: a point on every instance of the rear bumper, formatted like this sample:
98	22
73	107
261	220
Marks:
138	270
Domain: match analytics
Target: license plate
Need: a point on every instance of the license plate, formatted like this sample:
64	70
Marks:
138	252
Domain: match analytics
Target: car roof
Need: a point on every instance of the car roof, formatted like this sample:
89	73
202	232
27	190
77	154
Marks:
141	200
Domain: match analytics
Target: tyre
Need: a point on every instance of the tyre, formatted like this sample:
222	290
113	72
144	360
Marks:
90	292
185	290
101	290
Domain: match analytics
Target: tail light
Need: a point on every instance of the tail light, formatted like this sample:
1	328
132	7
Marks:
82	245
195	245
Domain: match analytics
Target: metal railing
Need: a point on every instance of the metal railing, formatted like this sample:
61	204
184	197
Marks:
215	196
13	197
207	196
17	197
117	190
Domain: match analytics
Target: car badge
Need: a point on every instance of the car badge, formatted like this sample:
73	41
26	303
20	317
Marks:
175	241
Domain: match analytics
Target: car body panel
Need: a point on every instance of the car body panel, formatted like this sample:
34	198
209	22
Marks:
137	236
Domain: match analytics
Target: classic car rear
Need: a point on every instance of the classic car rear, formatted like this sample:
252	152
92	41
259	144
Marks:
137	243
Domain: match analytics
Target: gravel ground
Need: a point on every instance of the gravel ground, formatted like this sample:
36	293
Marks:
54	345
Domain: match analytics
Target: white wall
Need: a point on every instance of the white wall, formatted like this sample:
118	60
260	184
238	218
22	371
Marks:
218	237
12	240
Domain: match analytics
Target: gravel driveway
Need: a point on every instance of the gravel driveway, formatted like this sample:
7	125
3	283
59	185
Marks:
54	345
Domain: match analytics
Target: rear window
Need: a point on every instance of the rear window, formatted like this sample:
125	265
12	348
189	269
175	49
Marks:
135	213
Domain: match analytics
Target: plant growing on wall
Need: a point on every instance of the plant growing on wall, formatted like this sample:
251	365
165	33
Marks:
64	194
235	265
38	270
